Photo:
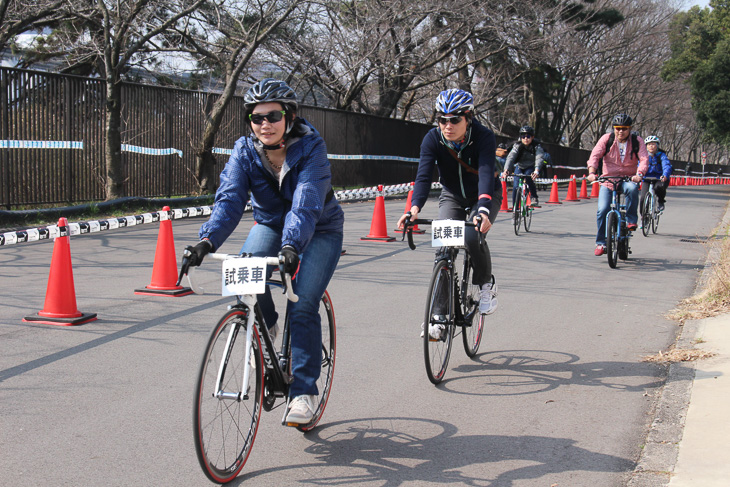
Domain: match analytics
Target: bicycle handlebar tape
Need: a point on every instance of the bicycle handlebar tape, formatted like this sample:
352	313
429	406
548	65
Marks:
505	205
554	197
60	305
583	190
164	269
415	228
378	226
572	190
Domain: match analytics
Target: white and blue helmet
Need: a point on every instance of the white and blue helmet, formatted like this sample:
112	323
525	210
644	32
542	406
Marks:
652	138
454	101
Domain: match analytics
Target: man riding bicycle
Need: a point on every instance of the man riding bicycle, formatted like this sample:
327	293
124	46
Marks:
526	157
463	150
623	154
660	168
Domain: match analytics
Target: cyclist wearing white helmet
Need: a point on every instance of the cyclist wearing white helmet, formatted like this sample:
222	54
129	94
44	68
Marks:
659	167
463	150
623	154
282	169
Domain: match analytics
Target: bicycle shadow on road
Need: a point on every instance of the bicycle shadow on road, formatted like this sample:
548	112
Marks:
392	451
520	372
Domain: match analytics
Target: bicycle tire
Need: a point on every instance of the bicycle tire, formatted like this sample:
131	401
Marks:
329	354
225	429
436	352
516	216
473	327
612	239
655	220
527	218
646	214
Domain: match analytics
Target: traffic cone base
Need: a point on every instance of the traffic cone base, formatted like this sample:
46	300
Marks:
84	318
173	293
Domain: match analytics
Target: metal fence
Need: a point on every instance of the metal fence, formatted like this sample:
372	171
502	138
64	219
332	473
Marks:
52	140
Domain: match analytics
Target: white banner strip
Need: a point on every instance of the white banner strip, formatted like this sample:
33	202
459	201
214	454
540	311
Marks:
41	144
150	151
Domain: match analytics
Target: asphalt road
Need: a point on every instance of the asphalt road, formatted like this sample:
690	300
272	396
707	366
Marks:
557	396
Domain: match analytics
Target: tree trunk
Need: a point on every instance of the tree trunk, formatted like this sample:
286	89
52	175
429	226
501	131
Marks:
113	145
204	159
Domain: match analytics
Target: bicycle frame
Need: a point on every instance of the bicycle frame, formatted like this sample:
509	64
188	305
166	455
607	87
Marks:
617	208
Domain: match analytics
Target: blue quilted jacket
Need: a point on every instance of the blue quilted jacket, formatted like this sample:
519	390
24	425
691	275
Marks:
305	203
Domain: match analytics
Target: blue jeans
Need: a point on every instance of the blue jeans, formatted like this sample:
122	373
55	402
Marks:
318	263
631	190
528	181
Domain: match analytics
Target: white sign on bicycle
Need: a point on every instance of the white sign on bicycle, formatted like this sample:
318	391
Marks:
447	233
243	275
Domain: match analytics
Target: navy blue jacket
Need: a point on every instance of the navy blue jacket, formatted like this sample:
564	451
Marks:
478	154
299	208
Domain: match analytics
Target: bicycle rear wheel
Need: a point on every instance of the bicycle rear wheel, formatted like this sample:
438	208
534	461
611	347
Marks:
225	419
471	330
517	216
438	330
612	239
324	383
528	218
647	209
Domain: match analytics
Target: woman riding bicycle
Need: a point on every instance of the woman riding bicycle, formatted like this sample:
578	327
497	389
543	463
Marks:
526	157
284	166
623	155
463	151
660	168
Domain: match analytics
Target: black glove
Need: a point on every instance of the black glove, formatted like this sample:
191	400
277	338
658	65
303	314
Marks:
288	259
197	253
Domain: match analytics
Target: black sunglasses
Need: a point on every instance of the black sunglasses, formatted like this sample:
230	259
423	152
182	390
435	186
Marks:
454	120
271	117
525	136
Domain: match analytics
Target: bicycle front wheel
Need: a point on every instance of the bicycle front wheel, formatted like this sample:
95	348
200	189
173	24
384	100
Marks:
612	239
528	218
438	330
647	210
517	216
473	325
324	383
655	220
226	418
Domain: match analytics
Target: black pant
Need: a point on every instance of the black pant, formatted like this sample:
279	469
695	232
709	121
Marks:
451	207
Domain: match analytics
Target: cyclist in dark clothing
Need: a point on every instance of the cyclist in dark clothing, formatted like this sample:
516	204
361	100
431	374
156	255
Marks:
463	150
526	157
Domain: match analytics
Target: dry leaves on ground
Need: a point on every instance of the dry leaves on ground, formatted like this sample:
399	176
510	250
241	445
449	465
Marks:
678	355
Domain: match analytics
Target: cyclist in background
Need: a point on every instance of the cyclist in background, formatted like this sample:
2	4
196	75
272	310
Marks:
501	157
526	157
463	150
659	167
282	168
623	154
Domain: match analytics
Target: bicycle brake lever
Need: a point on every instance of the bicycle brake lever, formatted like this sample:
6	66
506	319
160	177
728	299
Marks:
184	267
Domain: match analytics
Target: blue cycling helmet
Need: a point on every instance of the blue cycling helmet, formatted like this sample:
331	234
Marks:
454	101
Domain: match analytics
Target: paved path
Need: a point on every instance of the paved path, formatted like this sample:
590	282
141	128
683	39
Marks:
558	394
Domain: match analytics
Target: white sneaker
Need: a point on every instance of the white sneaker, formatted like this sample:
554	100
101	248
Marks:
488	298
301	409
435	331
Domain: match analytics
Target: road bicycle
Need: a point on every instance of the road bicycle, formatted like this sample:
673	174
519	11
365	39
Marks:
522	212
617	234
242	372
452	306
650	211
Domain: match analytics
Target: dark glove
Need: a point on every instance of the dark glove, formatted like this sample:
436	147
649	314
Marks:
288	259
197	253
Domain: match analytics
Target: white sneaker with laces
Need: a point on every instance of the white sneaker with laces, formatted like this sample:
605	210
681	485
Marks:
434	330
488	298
301	409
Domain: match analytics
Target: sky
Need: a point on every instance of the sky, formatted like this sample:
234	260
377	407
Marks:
700	3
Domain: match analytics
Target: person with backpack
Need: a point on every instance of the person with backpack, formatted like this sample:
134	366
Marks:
526	157
623	154
659	167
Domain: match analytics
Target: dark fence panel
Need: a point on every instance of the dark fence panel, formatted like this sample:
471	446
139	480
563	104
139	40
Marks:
47	108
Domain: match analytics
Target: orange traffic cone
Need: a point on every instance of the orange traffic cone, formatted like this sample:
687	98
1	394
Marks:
505	205
164	270
595	188
572	190
408	208
378	226
583	189
554	198
60	305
